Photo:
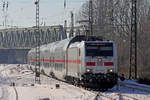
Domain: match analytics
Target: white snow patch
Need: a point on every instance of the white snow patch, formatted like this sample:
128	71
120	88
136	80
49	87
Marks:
49	91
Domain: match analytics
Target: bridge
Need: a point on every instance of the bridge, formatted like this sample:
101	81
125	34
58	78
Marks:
24	38
16	42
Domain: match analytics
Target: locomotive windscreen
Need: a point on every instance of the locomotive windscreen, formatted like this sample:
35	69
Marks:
99	49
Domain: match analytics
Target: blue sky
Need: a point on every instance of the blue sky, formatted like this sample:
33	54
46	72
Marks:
22	12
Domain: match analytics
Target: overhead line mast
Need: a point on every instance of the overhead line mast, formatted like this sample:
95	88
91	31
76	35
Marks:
72	25
91	17
133	44
5	9
37	67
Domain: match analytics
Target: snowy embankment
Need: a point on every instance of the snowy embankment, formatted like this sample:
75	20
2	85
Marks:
129	90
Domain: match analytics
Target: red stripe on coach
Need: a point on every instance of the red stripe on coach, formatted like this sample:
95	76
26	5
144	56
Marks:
59	61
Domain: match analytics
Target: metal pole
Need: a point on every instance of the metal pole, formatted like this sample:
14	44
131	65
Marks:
5	10
133	44
37	67
65	26
72	24
91	17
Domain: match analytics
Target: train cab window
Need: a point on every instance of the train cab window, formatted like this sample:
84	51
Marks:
99	49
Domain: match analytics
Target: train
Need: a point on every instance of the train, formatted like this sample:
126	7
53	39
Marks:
81	60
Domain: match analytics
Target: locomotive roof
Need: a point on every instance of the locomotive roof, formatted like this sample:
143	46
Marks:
80	38
67	42
64	44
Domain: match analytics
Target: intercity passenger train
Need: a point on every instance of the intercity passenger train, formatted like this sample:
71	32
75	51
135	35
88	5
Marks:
81	60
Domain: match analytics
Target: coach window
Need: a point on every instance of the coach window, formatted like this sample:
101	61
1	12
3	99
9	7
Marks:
50	61
30	60
43	61
53	62
55	67
48	64
61	67
79	51
58	67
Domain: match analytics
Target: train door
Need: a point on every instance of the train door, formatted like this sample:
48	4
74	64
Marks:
73	62
79	62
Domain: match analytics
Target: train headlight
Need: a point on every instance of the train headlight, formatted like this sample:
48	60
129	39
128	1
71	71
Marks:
110	70
88	70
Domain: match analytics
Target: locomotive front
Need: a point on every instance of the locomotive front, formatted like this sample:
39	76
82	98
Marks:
100	64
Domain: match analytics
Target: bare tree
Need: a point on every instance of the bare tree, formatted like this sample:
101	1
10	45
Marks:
112	20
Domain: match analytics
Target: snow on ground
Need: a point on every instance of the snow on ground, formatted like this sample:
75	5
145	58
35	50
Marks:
25	89
47	89
50	91
128	93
